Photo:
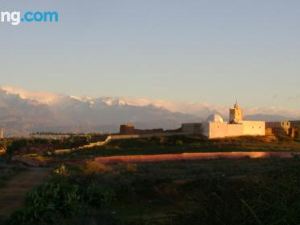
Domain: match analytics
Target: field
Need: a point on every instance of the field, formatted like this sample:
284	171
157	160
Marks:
245	191
84	189
182	144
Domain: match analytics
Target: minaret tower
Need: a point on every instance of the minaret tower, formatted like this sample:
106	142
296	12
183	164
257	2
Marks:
236	114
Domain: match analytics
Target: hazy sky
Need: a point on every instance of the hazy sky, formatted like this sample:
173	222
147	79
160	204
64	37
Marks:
189	50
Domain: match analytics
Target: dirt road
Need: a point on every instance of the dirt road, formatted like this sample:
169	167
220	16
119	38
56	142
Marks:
12	195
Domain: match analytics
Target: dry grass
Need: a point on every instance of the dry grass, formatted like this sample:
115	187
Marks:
131	168
92	167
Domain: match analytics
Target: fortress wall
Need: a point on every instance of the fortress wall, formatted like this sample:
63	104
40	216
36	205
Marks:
223	130
254	128
217	130
134	136
192	128
234	130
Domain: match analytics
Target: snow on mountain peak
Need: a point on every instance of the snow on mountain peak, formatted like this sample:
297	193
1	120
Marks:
39	97
193	108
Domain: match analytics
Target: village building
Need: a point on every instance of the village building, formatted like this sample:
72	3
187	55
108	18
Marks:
216	127
289	128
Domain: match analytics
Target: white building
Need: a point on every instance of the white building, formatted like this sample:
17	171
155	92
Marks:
215	127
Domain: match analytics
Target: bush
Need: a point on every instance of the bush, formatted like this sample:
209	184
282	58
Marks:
49	202
98	196
61	198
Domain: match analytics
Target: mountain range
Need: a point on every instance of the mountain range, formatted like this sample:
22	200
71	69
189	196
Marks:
23	112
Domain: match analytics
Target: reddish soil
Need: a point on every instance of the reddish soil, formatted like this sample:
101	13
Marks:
192	156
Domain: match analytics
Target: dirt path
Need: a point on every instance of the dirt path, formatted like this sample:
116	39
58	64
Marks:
193	156
12	195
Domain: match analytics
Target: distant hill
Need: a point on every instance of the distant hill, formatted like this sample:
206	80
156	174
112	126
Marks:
267	117
22	112
20	115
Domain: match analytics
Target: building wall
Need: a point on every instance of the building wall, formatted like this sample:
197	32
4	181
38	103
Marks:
254	128
286	125
148	131
223	130
273	125
127	129
192	128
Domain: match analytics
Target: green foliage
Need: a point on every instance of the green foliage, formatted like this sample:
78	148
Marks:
97	195
179	142
203	192
60	198
213	192
43	146
61	170
48	203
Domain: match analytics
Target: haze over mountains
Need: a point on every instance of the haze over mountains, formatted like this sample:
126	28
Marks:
22	112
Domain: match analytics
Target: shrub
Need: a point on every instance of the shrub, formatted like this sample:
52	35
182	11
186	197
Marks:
179	142
49	202
92	167
64	196
131	168
97	195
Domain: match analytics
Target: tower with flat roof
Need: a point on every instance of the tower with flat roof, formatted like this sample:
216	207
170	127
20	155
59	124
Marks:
236	114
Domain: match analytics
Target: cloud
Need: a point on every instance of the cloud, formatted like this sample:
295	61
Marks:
40	97
201	109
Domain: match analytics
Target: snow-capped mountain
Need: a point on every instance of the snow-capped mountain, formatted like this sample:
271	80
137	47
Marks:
39	97
22	112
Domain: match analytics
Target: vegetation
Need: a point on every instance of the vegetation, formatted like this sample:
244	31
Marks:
223	191
3	143
262	191
7	173
154	145
65	197
180	144
43	146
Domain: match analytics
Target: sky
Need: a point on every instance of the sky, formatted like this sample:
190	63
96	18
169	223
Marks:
212	51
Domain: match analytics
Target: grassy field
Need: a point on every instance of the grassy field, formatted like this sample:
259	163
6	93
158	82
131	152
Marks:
181	144
231	192
220	191
156	145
